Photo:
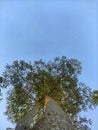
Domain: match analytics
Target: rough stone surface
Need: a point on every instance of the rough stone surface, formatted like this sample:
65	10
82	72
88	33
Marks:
54	118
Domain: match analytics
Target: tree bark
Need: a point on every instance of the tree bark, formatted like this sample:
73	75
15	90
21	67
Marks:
54	118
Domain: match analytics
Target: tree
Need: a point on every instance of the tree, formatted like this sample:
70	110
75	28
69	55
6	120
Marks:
30	83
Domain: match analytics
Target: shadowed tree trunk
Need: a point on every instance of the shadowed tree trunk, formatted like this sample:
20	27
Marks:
27	121
54	118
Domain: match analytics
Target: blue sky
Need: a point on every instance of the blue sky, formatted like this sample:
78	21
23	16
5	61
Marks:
31	30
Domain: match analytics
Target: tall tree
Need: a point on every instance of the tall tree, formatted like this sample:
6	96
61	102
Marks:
30	83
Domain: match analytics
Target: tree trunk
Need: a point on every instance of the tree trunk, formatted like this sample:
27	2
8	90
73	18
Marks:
54	118
27	121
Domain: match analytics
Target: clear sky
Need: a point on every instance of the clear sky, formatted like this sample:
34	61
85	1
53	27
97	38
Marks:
30	30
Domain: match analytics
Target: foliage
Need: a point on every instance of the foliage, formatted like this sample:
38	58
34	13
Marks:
0	88
10	128
82	123
0	95
95	97
30	83
19	101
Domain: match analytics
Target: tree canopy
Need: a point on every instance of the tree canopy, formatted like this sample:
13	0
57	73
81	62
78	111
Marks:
95	97
29	84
